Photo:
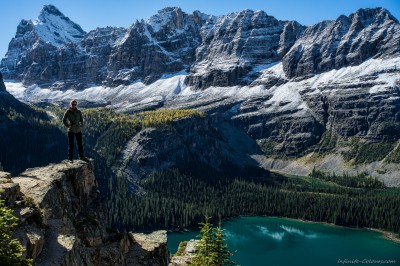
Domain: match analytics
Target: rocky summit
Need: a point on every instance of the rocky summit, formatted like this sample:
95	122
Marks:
294	89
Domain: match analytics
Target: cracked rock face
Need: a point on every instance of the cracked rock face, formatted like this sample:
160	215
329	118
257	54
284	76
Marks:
235	44
63	219
165	43
346	41
186	256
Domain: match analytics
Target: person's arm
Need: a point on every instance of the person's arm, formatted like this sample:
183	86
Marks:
65	120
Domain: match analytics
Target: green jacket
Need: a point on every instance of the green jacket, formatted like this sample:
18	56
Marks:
73	120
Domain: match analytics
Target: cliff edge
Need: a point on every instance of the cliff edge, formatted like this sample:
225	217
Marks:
63	220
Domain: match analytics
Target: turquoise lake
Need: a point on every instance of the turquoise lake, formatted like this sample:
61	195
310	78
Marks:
276	241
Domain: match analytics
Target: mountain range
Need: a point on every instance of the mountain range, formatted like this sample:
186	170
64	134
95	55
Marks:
330	89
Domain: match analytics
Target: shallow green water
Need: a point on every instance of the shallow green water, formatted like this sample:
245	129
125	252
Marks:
276	241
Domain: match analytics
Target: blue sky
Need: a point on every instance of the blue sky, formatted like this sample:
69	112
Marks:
90	14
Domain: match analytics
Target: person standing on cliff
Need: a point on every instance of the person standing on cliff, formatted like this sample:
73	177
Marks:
73	120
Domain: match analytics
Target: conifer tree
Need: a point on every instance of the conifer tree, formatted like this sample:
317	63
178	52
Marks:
222	254
204	255
212	250
10	249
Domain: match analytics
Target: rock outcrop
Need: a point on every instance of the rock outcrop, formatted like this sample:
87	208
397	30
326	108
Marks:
185	255
148	249
63	220
199	146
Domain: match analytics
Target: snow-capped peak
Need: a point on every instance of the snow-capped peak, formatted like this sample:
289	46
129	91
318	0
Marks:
164	16
53	27
368	15
50	9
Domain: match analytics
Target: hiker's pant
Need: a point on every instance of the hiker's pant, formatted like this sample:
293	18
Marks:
71	137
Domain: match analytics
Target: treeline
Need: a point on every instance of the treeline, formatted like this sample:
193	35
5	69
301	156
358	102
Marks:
360	180
211	248
361	152
107	132
165	116
173	200
28	139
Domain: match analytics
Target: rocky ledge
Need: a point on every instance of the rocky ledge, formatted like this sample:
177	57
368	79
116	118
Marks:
185	254
63	220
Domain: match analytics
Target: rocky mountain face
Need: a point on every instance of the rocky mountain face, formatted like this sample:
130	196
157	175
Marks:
199	146
347	41
226	50
55	52
233	45
166	43
63	220
290	87
37	53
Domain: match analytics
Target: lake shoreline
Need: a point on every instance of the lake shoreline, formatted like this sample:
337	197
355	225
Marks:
391	236
385	234
288	241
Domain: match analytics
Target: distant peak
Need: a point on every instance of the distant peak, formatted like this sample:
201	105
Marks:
169	9
54	27
50	9
165	17
369	13
246	10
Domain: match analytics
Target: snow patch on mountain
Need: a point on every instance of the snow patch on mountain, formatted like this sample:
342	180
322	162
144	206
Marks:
122	95
383	71
171	90
222	63
53	27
